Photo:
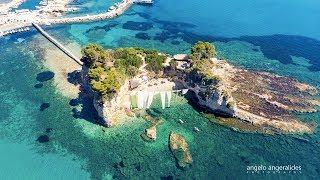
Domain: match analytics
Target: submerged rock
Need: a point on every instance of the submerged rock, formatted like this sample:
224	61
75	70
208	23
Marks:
121	164
180	149
166	177
44	106
143	36
151	133
137	166
45	76
138	26
48	130
37	86
175	42
43	139
149	136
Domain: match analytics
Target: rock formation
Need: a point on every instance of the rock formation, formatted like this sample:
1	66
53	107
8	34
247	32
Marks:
260	98
180	149
256	98
113	110
151	133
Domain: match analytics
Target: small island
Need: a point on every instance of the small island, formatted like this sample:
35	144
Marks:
125	80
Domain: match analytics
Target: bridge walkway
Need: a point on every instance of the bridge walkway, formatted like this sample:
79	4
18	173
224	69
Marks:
57	44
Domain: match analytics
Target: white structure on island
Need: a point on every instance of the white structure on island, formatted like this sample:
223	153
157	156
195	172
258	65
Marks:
144	99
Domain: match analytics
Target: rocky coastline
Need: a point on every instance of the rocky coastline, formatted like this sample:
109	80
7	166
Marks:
259	98
256	98
180	149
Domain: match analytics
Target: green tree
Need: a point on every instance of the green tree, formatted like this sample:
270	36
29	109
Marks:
155	62
204	68
93	53
132	71
203	50
110	83
114	80
96	73
126	57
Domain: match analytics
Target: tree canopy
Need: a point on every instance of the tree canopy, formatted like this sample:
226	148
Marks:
126	57
201	54
155	61
109	81
203	50
109	69
93	53
128	60
173	64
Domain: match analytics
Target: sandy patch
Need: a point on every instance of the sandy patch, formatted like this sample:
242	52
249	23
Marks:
62	65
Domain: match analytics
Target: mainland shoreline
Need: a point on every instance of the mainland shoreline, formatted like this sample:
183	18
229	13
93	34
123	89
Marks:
50	14
6	7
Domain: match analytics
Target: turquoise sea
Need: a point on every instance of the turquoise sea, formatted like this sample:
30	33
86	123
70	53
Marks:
43	136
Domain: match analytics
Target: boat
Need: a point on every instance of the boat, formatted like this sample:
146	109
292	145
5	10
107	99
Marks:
196	129
112	8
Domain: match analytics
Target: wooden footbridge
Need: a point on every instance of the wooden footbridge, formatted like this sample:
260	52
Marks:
57	44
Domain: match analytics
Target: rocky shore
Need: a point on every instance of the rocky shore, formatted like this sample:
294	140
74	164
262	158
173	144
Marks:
258	99
113	110
180	149
261	99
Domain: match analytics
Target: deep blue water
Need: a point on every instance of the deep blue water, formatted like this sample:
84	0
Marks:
276	36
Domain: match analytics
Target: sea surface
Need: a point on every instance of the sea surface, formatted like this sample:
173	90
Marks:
45	134
29	4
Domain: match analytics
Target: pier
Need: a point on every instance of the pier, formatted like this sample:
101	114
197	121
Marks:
56	43
119	9
14	22
146	2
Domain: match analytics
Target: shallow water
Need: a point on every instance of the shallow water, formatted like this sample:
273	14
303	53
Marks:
80	148
29	4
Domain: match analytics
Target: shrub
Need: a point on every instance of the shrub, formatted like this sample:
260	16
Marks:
204	68
155	62
110	84
203	50
127	57
96	73
94	53
132	71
